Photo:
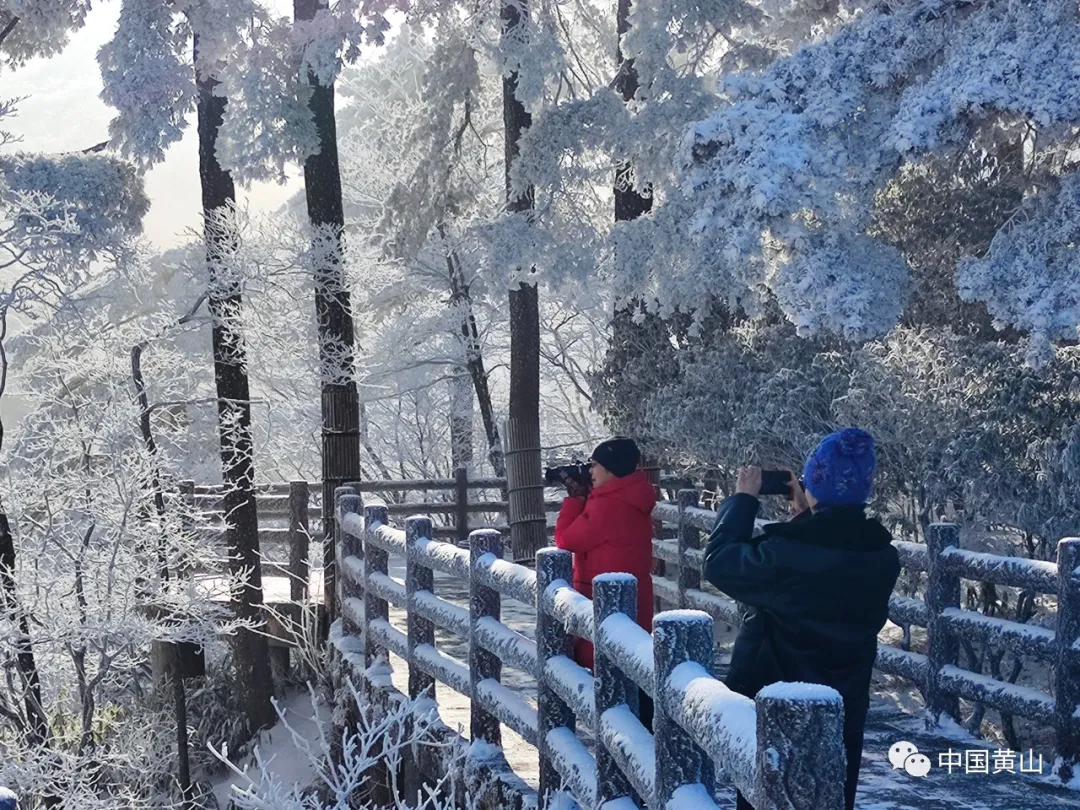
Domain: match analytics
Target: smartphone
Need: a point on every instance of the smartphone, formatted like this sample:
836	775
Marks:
776	482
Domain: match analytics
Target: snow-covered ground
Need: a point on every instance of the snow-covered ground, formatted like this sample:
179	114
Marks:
281	749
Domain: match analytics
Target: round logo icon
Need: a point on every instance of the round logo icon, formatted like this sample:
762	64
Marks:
917	765
901	751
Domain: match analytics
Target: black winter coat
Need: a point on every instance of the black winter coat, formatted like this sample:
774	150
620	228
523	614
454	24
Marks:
818	590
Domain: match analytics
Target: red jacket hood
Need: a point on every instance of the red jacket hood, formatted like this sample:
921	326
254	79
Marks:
634	490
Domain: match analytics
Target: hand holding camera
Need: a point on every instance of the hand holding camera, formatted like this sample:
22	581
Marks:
575	478
756	481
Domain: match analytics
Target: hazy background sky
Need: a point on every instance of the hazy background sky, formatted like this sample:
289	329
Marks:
63	113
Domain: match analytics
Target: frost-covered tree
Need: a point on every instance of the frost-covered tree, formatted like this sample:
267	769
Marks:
782	179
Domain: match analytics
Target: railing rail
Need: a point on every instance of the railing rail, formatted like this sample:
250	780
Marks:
937	673
697	719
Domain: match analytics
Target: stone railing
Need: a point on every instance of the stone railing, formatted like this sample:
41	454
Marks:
783	750
937	672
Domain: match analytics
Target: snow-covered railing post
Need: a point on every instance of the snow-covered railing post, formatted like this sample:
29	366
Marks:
679	636
612	593
347	502
483	601
552	565
689	538
942	592
299	540
800	758
1067	658
418	629
376	561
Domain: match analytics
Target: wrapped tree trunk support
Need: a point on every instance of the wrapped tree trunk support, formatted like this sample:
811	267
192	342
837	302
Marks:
525	488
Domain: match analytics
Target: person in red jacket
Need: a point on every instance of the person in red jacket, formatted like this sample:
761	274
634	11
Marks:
609	528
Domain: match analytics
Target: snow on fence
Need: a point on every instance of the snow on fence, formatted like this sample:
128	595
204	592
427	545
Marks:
783	750
937	673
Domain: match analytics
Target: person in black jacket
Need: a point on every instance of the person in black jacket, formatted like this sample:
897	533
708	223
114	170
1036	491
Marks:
817	586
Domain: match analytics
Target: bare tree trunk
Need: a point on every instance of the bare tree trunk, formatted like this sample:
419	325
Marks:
461	420
340	403
157	488
461	297
528	524
251	652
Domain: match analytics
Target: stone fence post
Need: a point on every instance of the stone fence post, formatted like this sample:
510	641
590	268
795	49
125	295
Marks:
1067	658
678	637
483	602
376	561
347	502
612	593
419	630
552	640
689	538
800	757
942	592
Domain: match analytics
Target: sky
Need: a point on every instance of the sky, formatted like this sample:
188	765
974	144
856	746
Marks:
63	112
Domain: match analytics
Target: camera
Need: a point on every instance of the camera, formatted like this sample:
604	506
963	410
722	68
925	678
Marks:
776	482
558	476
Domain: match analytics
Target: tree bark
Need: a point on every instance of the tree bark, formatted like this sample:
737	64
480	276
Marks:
629	204
333	308
631	342
250	649
183	759
528	524
474	360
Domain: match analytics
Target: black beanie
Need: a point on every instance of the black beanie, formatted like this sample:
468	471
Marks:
619	455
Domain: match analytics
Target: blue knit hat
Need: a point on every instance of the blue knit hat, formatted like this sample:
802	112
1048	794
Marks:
841	470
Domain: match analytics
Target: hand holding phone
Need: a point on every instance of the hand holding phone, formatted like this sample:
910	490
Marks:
776	482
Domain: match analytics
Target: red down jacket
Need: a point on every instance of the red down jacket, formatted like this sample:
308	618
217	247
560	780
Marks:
610	532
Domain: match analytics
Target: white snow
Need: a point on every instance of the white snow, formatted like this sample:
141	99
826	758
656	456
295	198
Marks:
574	763
445	557
352	524
1016	571
509	579
800	691
571	608
722	722
392	541
511	647
509	706
384	634
575	685
388	588
691	797
631	647
632	747
444	668
444	614
281	750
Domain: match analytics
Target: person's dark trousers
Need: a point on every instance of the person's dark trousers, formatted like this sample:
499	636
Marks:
645	709
854	725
